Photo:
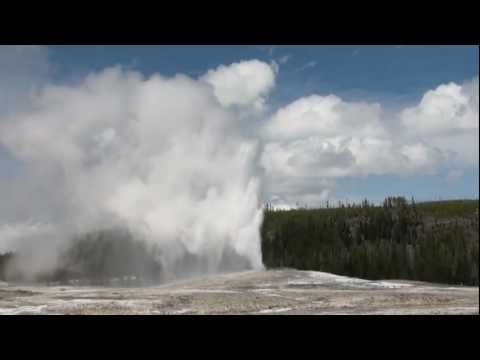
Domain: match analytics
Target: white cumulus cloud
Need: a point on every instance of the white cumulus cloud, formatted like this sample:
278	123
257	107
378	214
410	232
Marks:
324	137
447	118
245	83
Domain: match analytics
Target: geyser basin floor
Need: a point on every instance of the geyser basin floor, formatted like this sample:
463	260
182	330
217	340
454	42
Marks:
263	292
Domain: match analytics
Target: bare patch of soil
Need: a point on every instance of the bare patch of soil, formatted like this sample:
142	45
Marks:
263	292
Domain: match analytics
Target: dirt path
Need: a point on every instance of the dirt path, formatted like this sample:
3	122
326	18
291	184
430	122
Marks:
264	292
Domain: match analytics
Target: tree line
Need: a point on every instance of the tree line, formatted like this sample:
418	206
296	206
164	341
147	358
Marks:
435	241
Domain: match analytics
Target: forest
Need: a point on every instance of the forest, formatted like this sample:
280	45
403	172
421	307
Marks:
432	241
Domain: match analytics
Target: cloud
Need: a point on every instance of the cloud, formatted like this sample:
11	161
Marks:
449	107
308	65
447	118
23	69
22	61
244	83
317	138
284	59
275	67
454	175
327	115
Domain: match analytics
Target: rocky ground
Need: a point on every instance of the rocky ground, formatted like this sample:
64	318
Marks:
262	292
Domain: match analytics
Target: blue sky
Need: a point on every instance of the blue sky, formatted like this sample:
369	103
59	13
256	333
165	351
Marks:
378	73
395	76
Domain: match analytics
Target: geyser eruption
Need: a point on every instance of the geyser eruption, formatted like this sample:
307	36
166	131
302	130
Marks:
159	156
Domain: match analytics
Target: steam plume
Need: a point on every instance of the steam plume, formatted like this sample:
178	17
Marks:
158	155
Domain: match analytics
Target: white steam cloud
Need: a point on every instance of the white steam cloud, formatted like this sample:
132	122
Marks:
159	155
